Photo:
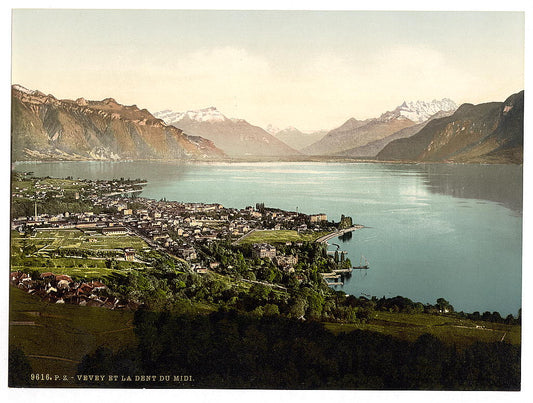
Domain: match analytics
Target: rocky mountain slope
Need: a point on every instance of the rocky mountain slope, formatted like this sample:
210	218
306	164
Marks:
354	133
370	150
46	128
490	132
236	137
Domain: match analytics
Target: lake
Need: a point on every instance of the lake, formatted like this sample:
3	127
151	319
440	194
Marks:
432	230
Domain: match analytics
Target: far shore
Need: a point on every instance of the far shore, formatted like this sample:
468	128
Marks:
299	158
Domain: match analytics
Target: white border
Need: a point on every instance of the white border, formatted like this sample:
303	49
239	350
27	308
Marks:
118	396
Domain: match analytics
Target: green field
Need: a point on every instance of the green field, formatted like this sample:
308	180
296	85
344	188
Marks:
280	236
461	332
56	337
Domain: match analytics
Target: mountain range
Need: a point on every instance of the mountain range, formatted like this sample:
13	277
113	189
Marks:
372	148
236	137
486	133
45	128
364	137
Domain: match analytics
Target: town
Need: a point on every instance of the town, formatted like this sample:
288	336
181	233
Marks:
106	227
174	227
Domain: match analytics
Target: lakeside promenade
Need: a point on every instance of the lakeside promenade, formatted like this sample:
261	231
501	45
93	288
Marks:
335	234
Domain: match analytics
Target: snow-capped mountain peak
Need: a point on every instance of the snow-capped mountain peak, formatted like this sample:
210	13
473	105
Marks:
23	89
210	114
420	111
272	129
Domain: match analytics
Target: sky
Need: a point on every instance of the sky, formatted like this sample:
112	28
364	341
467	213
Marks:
308	69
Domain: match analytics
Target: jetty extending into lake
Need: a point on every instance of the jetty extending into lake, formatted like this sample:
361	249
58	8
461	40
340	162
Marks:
331	275
334	283
338	273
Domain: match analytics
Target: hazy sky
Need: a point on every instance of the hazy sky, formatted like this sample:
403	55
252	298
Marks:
310	70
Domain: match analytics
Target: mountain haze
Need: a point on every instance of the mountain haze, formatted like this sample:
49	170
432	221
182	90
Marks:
236	137
295	138
336	140
44	127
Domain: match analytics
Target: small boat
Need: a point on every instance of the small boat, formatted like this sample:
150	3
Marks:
361	264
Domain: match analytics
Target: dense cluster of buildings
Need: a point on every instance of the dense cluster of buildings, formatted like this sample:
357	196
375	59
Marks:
175	227
61	289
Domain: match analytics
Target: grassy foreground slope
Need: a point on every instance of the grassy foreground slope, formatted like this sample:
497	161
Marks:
450	330
55	337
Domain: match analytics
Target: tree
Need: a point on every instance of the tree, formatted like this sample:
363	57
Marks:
315	304
270	310
444	306
259	292
19	369
298	307
346	222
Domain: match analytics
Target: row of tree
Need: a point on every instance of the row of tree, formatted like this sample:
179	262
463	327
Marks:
229	350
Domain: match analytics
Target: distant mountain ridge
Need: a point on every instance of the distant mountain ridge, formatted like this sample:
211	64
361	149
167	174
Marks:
44	128
236	137
486	133
354	134
296	138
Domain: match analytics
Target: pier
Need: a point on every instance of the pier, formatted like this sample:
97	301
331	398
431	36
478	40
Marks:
349	270
335	283
330	275
337	273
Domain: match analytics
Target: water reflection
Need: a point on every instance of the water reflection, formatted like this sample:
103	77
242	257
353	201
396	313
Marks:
496	183
346	237
152	171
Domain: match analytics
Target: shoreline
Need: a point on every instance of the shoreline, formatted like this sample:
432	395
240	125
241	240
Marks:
317	159
327	237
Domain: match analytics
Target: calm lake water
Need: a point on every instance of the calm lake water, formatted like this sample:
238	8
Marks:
452	231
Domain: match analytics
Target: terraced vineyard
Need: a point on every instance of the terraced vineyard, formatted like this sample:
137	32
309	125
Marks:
45	240
80	254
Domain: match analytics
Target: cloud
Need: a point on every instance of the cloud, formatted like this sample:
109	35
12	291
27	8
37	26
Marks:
320	91
308	91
